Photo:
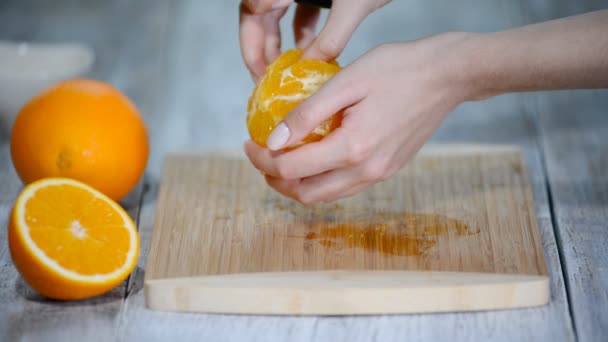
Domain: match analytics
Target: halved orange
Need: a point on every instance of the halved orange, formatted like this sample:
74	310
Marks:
70	241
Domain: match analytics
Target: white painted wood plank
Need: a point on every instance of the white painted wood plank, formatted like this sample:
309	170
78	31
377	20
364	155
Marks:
575	139
207	79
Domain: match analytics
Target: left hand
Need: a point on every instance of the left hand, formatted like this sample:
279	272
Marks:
260	34
394	98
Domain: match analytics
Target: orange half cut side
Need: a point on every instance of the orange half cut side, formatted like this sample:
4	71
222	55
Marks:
70	241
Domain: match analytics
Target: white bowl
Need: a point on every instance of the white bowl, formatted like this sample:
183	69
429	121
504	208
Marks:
28	68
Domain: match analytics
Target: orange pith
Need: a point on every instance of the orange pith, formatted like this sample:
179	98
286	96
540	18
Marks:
288	81
70	241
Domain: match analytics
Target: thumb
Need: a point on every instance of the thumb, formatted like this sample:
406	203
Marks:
338	93
344	17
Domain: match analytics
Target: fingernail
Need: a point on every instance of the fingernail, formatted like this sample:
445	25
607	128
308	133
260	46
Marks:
278	137
280	4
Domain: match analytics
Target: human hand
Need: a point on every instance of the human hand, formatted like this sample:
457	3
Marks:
260	34
394	97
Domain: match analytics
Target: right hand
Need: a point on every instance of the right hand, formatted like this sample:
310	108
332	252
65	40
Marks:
393	99
260	34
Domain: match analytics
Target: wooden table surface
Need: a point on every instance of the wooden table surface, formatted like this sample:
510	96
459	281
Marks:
179	61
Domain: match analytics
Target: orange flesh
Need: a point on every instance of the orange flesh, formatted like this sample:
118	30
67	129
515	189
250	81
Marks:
79	231
288	82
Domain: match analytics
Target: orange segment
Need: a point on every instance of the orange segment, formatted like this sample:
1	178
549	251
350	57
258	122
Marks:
70	241
288	82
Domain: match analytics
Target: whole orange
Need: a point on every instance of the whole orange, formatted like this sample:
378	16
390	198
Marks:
81	129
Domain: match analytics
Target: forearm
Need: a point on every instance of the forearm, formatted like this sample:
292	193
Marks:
560	54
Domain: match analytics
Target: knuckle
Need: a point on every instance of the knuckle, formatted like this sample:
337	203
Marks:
307	201
373	172
357	153
284	170
302	197
254	62
329	46
300	118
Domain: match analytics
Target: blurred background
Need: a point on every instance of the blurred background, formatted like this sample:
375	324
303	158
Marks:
179	60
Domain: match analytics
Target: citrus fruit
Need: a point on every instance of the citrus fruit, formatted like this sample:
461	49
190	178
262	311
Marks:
70	241
81	129
288	81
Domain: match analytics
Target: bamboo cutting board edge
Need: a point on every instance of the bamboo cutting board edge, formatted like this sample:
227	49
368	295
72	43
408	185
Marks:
347	292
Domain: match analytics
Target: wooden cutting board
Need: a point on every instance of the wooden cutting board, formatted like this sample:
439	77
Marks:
453	231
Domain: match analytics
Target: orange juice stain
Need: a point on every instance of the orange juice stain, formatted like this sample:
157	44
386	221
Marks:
387	233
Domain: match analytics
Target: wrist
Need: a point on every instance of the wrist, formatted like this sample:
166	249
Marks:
459	65
472	67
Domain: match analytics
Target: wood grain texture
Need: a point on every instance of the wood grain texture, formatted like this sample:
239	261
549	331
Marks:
452	209
468	204
574	128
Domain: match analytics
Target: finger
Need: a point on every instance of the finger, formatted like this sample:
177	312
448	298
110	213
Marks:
283	186
251	36
261	158
265	6
315	158
326	186
304	25
343	19
321	188
347	193
272	31
305	161
339	92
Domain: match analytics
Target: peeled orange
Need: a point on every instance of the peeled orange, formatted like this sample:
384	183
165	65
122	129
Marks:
81	129
70	241
288	81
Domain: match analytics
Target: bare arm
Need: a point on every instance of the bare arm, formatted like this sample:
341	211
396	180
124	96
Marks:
566	53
